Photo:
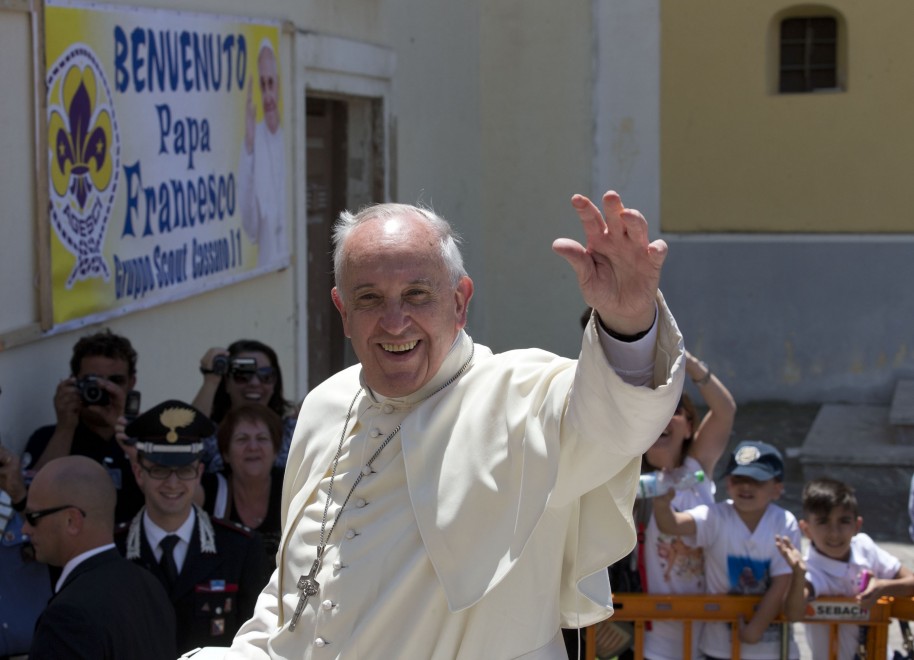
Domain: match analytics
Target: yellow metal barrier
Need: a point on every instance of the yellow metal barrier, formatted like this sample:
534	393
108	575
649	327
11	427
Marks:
642	608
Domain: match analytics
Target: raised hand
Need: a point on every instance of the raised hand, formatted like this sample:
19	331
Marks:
790	553
68	403
618	271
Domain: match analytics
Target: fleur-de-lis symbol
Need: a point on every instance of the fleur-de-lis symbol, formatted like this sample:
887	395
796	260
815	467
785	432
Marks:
81	142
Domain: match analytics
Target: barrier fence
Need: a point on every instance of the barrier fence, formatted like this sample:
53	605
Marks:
640	609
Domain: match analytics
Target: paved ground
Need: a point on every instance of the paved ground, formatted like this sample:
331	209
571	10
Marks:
785	426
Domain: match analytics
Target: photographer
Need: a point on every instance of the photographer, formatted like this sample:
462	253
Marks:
87	405
245	373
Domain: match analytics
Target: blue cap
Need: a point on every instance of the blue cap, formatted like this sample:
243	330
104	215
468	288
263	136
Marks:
756	460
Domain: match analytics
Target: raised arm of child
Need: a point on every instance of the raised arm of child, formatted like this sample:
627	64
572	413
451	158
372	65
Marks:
901	585
678	523
768	608
799	592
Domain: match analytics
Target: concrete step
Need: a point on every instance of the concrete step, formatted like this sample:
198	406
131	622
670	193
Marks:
857	444
901	412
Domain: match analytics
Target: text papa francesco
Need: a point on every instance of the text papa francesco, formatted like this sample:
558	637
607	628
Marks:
135	277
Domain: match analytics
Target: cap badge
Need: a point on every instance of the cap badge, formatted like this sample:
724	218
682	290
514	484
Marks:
176	418
747	455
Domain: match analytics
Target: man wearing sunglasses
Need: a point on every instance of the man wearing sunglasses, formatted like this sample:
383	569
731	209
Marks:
87	405
212	569
103	606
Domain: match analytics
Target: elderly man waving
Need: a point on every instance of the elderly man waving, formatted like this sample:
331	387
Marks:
442	501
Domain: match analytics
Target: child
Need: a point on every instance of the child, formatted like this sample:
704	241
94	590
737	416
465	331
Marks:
841	561
740	552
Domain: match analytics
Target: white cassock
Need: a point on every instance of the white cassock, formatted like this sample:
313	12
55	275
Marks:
484	525
262	194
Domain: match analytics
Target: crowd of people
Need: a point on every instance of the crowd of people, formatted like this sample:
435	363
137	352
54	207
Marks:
212	480
439	500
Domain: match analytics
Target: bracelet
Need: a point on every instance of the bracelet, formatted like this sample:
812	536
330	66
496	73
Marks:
206	372
704	380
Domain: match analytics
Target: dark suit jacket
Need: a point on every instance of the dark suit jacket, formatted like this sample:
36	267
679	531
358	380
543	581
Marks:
214	593
107	608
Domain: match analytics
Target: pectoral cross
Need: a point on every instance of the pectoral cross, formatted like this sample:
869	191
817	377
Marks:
309	587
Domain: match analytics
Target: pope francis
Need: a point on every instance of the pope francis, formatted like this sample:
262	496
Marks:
442	501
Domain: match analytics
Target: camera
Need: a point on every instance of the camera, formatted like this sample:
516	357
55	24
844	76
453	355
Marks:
92	392
243	366
221	364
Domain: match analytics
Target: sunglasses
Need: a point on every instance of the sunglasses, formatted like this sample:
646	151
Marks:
162	472
32	517
266	375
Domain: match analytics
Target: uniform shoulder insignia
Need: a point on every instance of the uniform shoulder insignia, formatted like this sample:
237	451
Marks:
234	526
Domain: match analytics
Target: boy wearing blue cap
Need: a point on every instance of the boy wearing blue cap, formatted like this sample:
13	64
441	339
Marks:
740	552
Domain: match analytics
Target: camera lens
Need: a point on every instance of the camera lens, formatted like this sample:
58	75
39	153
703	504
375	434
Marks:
220	364
92	393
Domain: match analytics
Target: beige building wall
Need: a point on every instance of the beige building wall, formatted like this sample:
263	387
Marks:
536	78
737	156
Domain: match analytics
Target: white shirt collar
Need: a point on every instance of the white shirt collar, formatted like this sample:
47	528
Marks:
76	561
155	534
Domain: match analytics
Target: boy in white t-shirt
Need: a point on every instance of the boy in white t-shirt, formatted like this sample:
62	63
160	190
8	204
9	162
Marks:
841	561
741	557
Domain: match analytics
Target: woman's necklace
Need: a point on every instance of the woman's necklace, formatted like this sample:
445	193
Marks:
307	584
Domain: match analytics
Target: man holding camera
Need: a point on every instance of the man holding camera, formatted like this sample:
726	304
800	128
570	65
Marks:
87	405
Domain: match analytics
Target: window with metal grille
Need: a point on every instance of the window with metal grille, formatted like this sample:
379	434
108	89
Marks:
809	54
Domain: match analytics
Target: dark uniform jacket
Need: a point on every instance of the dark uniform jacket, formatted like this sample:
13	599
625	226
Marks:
223	574
107	609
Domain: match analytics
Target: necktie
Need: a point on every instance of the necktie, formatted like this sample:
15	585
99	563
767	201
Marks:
167	562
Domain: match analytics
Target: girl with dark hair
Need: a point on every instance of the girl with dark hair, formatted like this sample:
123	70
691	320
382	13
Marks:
671	564
226	385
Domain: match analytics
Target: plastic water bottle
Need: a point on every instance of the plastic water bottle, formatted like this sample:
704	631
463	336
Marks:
653	484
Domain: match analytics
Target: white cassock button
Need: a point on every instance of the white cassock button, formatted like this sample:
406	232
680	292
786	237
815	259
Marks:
350	533
387	408
374	433
327	605
360	503
366	470
319	642
337	565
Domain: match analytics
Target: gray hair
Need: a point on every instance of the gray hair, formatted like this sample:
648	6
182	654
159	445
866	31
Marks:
448	240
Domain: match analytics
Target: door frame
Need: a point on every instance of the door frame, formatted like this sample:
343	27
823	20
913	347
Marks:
326	64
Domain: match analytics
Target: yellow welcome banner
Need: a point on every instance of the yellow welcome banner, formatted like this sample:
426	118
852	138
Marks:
166	156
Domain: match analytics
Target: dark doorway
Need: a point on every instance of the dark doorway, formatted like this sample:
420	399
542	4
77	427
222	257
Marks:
326	173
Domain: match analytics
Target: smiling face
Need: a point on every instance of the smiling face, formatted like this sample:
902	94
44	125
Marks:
751	497
269	88
831	533
254	390
250	452
398	303
666	452
168	501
